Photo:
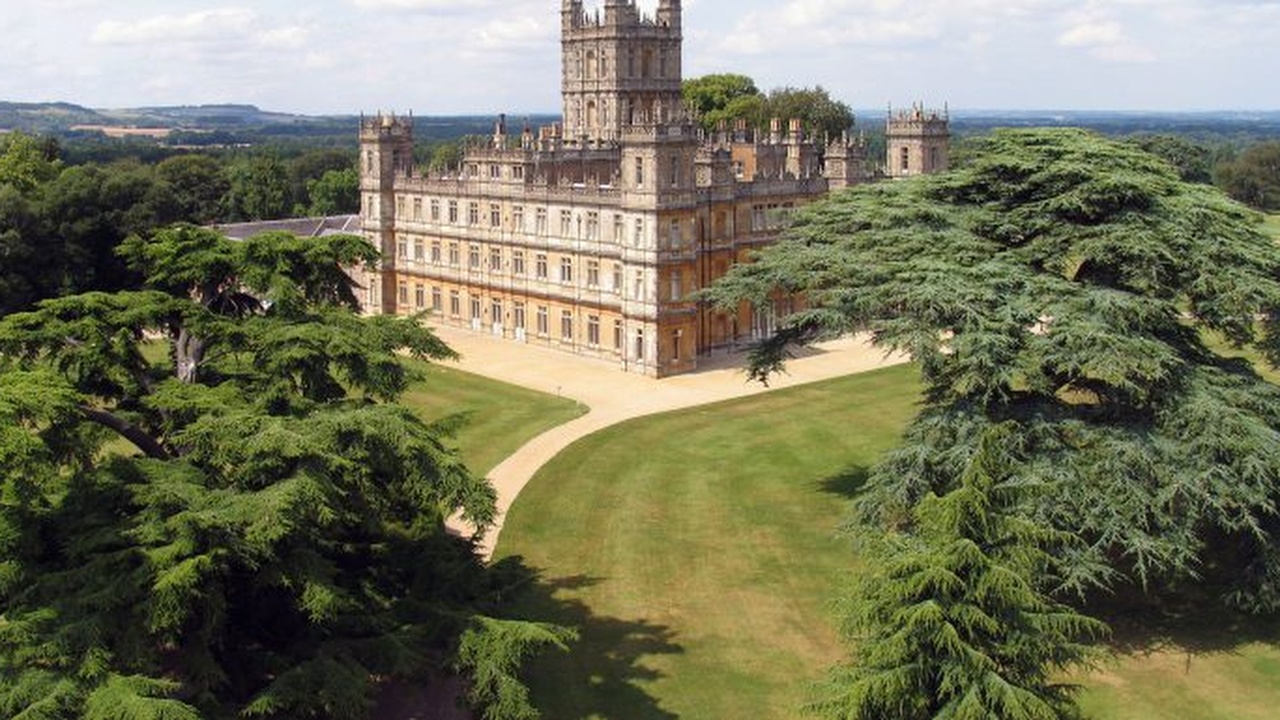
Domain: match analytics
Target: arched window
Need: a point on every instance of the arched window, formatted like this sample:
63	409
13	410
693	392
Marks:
591	64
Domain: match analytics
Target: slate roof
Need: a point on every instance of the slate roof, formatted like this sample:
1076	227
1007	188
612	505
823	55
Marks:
302	227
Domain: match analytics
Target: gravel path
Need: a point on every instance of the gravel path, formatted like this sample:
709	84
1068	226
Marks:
613	396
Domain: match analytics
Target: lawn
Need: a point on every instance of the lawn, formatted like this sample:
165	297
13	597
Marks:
499	418
700	569
697	553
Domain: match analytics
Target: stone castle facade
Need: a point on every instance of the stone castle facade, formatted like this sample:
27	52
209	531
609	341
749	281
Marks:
590	236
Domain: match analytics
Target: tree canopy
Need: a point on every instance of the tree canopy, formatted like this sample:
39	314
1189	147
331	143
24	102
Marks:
1254	176
211	507
728	97
1055	289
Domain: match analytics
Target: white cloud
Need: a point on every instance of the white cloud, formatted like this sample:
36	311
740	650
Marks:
441	6
198	26
286	38
1092	35
517	33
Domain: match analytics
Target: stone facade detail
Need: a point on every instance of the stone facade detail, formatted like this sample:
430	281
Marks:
590	236
918	142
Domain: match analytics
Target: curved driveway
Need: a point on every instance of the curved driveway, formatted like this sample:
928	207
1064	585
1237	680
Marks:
613	396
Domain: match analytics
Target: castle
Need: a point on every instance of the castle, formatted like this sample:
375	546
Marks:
590	236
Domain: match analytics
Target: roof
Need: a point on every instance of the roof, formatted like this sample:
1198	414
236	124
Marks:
302	227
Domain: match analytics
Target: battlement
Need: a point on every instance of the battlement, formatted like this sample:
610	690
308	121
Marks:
619	14
919	121
385	125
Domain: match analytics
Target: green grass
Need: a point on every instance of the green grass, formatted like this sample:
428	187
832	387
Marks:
1271	224
499	418
697	550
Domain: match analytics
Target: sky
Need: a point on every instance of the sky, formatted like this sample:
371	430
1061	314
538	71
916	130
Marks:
439	57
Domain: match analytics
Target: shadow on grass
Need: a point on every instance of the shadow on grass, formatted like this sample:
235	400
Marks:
602	674
1195	625
848	484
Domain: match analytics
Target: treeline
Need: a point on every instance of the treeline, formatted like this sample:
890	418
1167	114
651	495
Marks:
60	222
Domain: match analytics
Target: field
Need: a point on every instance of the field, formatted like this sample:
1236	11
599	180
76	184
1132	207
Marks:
498	418
700	571
1272	225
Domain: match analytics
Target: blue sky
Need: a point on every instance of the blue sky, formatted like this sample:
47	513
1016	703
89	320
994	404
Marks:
490	56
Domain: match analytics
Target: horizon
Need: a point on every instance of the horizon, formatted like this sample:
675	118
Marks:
341	57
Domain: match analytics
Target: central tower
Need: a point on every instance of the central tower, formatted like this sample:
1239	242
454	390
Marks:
619	68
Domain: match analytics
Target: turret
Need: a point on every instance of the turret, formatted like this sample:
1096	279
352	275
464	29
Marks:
669	13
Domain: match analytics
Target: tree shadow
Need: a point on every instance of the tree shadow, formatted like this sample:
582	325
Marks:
1195	624
847	484
602	674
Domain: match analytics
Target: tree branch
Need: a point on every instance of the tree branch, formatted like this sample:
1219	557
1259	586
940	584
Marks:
128	431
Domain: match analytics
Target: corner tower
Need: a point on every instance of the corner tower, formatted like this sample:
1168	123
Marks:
619	68
917	142
386	151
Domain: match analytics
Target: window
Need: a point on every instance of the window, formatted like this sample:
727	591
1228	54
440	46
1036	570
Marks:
517	172
517	218
617	336
435	210
400	205
475	309
675	171
473	213
473	170
402	249
593	225
495	312
417	208
639	172
455	304
566	325
619	231
453	254
593	330
906	159
639	286
419	297
437	302
540	221
540	266
518	316
617	278
675	344
593	273
639	353
677	286
435	252
417	250
566	270
495	214
566	223
542	321
368	161
473	257
453	211
675	238
404	294
495	259
638	238
495	171
517	262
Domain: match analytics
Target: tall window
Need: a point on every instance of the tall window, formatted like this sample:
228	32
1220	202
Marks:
419	297
453	211
566	270
639	172
638	238
639	349
617	336
566	325
417	208
593	225
473	213
473	257
403	294
675	237
540	266
435	210
437	302
518	316
517	218
566	223
617	278
417	249
593	273
906	159
619	231
540	221
435	252
455	304
495	214
677	286
541	319
402	249
593	330
517	262
475	309
453	254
